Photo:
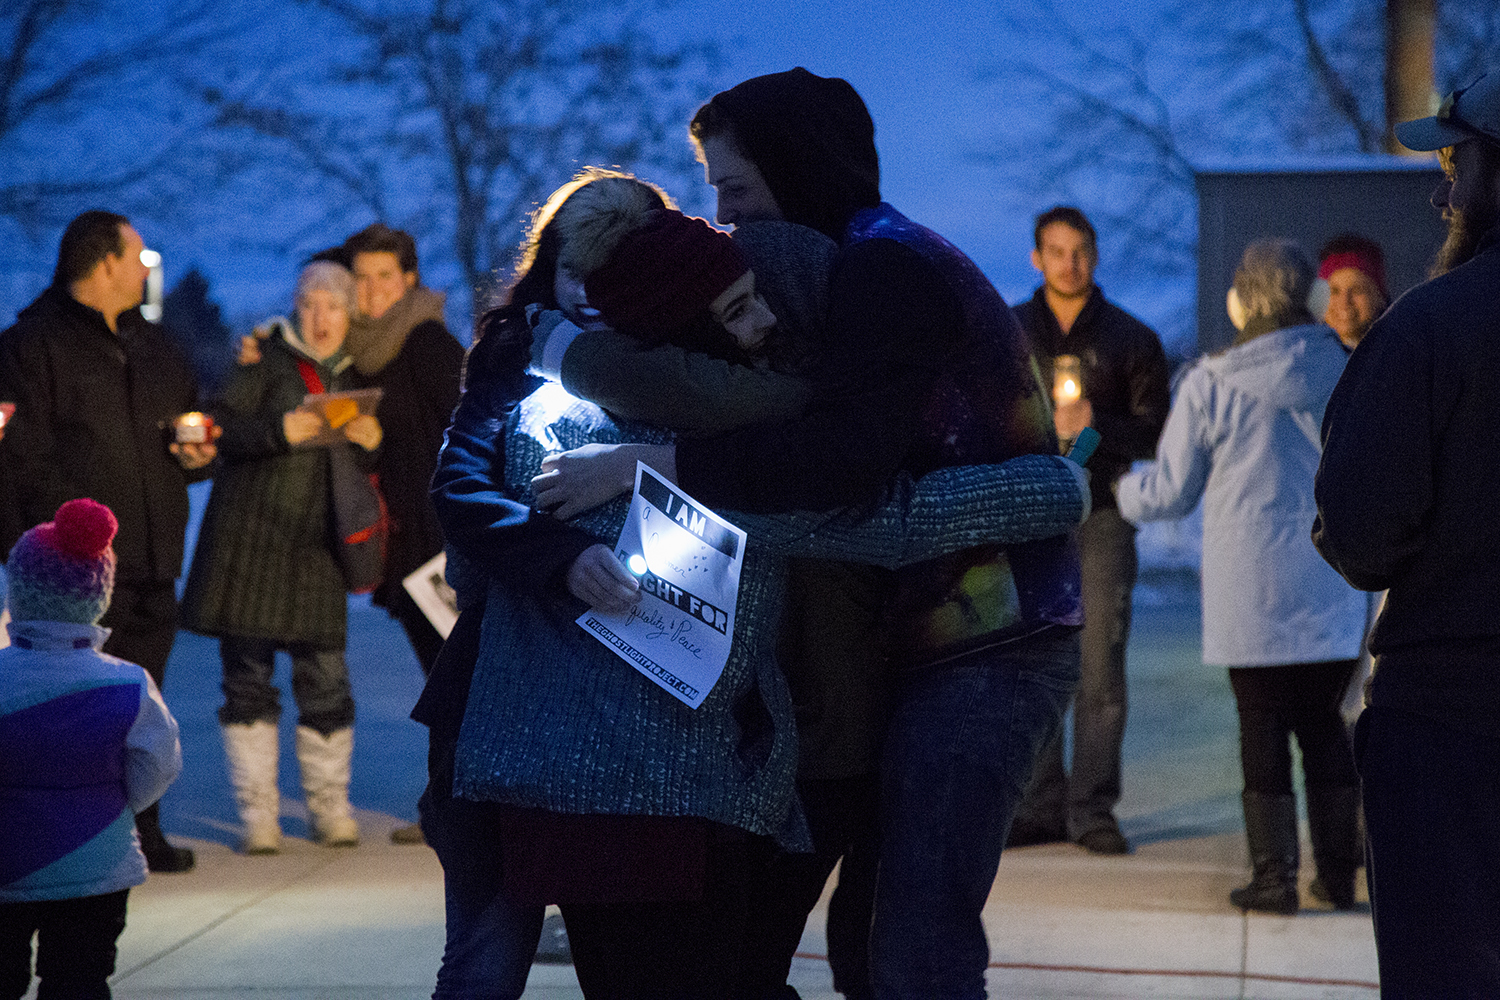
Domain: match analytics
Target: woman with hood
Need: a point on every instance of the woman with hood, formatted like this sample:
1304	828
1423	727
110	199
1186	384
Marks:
643	817
265	575
1243	436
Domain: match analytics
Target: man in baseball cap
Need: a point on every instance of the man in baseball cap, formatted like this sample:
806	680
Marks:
1409	476
1467	113
1466	127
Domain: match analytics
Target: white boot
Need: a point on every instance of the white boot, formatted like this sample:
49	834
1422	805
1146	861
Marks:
252	751
325	780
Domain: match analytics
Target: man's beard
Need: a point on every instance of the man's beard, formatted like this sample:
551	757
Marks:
1465	229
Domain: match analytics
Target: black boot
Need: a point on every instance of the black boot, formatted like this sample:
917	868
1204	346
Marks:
160	855
1271	829
1333	823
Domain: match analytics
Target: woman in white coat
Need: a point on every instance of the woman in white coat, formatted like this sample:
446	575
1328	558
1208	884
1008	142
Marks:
1243	435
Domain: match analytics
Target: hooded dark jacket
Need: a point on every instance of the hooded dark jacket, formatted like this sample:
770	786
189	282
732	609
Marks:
265	566
924	366
92	411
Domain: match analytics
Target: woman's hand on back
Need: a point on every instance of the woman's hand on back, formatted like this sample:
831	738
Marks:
584	478
597	579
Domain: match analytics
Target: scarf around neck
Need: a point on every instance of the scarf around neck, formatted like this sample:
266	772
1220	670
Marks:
374	343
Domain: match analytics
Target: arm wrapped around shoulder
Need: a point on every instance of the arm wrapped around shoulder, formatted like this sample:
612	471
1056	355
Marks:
1023	500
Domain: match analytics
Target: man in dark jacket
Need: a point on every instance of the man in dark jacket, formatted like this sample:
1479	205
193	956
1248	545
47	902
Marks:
1120	387
924	366
97	389
1407	494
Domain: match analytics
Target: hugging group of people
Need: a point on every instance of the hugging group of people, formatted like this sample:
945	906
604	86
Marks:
847	387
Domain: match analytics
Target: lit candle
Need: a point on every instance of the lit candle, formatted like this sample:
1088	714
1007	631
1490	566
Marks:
193	427
1067	380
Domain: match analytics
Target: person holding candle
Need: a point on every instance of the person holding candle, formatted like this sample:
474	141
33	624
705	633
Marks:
1242	437
1406	499
265	576
97	390
1107	370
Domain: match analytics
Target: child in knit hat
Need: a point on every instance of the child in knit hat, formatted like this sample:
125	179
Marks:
85	743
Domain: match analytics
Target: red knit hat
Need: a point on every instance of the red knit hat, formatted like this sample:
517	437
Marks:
664	273
64	570
1366	260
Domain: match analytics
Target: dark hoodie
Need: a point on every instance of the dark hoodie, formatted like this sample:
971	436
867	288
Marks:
889	313
814	143
924	366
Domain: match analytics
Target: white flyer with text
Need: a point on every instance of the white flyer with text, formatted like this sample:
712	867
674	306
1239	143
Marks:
688	561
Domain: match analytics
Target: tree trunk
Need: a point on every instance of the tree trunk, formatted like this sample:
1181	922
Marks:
1409	89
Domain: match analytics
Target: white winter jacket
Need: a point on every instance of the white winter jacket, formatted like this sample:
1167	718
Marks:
1243	435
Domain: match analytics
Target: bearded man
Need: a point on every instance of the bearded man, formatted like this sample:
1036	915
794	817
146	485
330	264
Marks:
1406	494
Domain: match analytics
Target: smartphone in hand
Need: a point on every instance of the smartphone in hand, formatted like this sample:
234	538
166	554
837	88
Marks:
1083	446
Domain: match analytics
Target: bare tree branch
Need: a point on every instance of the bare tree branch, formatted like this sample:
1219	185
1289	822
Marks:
64	66
1340	97
1124	114
481	107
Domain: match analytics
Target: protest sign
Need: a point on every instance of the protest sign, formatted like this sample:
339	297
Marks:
688	561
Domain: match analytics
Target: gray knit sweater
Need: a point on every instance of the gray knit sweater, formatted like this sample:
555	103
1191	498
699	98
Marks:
556	721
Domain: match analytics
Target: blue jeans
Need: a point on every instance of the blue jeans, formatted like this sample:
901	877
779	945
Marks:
960	751
491	939
320	683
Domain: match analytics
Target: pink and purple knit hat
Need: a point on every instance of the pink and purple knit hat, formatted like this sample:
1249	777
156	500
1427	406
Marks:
64	570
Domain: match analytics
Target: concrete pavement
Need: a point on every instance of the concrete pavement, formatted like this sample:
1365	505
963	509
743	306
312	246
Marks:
368	922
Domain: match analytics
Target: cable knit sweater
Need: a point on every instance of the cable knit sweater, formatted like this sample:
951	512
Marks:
556	721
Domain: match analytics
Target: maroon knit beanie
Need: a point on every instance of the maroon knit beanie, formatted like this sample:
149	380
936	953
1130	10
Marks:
664	274
1365	259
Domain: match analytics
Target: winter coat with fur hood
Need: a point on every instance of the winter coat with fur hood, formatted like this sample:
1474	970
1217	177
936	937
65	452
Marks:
265	566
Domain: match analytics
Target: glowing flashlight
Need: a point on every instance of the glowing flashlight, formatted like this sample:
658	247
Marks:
637	565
